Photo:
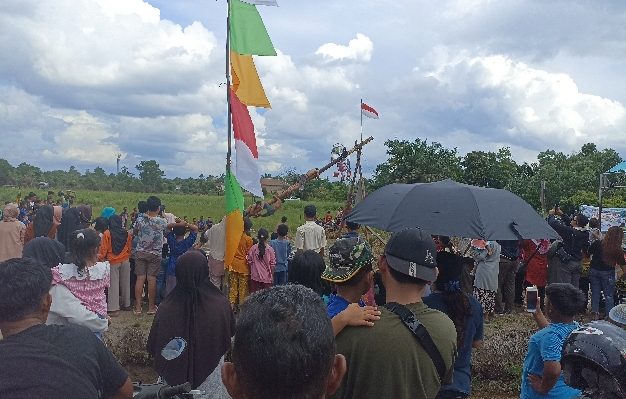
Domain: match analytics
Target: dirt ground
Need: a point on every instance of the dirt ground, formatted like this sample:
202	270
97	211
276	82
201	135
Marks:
496	372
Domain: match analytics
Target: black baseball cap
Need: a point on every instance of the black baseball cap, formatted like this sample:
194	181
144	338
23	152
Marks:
412	252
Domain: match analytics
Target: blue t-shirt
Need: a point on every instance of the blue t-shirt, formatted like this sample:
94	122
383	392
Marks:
178	248
282	249
546	345
462	380
337	304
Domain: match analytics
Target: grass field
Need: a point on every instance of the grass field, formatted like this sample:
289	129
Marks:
192	206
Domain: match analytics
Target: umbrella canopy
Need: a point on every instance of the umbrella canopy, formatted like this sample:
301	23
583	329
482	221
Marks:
452	209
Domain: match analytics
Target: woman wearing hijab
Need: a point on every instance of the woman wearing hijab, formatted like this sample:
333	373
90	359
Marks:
57	215
115	247
43	224
73	219
12	233
108	212
45	250
199	313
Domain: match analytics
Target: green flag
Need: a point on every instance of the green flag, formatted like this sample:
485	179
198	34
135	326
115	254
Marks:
247	33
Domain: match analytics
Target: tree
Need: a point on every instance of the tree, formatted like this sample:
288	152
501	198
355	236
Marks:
489	169
417	162
6	172
151	175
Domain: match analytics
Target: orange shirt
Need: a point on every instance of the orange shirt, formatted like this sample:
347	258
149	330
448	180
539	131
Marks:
240	262
106	250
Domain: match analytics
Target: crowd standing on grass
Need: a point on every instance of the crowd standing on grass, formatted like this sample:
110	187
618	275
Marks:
308	319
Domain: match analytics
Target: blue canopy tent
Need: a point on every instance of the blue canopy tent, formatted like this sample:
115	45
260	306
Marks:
619	168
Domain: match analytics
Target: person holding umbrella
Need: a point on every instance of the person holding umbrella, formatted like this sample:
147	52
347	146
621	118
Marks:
486	254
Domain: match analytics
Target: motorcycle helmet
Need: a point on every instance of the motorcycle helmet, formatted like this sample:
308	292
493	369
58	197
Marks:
594	360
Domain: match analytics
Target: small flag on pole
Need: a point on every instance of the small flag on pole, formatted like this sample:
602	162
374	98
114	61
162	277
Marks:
262	2
246	82
368	111
234	217
247	169
247	32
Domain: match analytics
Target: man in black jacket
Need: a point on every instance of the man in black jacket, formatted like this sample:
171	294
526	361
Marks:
575	241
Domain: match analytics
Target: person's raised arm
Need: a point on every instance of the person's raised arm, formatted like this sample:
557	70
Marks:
540	319
193	227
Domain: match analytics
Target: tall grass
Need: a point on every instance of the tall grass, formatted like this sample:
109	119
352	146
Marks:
192	206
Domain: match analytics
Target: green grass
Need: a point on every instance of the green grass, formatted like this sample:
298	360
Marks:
192	206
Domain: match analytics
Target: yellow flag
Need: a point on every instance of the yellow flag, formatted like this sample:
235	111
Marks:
246	82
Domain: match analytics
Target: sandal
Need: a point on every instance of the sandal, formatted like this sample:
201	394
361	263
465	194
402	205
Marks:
153	311
137	312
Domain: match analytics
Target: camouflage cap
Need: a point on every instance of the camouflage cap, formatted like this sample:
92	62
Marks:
347	256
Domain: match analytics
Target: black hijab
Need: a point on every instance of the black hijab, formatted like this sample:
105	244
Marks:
119	235
198	312
44	219
73	219
45	250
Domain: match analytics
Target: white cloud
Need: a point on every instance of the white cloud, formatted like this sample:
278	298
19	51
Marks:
143	78
358	49
511	103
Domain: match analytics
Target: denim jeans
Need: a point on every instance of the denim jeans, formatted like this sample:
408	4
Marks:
280	278
602	281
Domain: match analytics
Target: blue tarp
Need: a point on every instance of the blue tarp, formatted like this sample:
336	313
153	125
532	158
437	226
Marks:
620	167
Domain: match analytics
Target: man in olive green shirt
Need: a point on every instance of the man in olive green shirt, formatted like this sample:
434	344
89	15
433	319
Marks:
386	360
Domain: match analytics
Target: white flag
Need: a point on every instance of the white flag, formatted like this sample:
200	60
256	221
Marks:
262	2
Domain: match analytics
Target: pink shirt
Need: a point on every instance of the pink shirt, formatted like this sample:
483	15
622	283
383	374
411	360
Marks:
88	286
262	270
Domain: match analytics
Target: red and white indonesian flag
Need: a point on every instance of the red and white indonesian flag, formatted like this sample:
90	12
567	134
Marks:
368	111
246	169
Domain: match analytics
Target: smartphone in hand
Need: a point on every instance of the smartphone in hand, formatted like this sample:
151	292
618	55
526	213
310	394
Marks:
532	297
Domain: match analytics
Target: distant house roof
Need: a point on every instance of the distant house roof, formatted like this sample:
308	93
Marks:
273	183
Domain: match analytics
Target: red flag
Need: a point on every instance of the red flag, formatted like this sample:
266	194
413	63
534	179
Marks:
247	170
368	111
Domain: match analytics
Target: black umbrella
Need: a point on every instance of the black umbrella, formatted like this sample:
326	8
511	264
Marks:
452	209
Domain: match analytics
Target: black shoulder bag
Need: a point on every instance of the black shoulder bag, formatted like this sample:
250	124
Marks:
421	334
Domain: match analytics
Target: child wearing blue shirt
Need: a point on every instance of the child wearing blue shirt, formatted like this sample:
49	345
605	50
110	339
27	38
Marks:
282	249
541	376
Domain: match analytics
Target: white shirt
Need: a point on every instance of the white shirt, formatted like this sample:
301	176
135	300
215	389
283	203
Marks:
216	237
310	236
67	309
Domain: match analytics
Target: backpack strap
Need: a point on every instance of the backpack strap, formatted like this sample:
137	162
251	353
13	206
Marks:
421	334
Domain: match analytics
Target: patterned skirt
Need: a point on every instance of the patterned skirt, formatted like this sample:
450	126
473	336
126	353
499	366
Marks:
486	298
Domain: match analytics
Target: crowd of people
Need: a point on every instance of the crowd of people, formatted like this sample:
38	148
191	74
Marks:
299	317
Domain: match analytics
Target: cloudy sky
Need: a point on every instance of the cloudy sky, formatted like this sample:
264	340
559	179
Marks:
83	80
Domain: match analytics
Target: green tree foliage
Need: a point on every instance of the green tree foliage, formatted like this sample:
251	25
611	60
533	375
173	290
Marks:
489	169
151	175
570	179
25	175
417	162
